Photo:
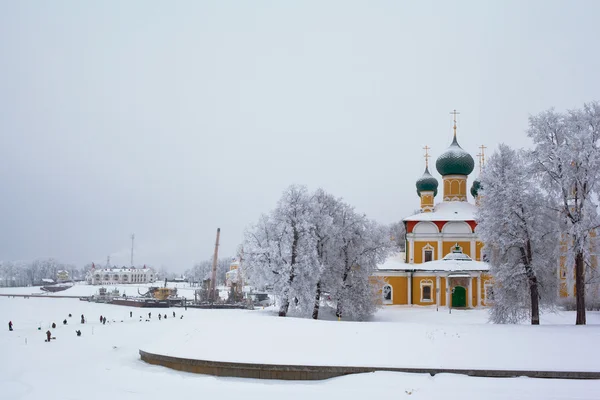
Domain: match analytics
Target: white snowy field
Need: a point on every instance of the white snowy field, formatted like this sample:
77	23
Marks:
104	361
81	289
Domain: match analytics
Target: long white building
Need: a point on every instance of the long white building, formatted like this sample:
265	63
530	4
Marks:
111	276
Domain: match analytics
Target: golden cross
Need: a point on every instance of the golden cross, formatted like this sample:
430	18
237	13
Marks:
426	148
455	113
481	157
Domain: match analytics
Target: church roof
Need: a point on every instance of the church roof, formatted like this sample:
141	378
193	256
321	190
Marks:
447	211
455	161
427	183
452	262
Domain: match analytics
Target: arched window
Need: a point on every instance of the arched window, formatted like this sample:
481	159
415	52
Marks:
388	295
426	290
428	253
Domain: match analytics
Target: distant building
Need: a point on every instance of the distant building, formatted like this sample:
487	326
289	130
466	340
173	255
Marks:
62	276
232	276
112	276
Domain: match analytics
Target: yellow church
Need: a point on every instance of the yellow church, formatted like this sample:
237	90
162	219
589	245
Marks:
442	264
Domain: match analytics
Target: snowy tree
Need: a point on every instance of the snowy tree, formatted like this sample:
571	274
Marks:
398	234
313	245
360	246
518	225
280	251
567	157
203	270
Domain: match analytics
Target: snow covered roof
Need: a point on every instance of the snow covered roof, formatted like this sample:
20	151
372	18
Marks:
447	211
451	265
395	262
451	262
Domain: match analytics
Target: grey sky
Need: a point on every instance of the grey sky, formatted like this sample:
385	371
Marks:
170	119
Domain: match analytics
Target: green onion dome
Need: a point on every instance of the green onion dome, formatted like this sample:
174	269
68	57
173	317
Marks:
455	161
427	183
475	188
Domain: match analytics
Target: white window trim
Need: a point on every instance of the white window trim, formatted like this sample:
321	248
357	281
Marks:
391	300
427	282
428	247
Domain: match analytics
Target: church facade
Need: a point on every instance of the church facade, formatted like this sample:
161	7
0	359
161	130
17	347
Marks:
442	264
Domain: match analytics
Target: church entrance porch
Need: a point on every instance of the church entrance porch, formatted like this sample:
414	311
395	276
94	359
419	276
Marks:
459	290
459	297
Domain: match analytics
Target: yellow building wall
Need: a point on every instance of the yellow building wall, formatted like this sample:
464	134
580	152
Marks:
418	256
399	286
474	292
455	187
466	247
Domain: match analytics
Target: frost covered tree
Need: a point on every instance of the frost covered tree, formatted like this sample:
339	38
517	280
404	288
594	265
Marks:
280	250
398	235
315	250
518	225
360	246
567	157
203	270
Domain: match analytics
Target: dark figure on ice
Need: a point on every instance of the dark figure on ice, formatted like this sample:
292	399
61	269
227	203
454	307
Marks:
78	332
70	315
130	314
10	325
181	317
82	319
149	315
53	325
173	314
159	317
101	319
64	322
49	336
104	321
165	316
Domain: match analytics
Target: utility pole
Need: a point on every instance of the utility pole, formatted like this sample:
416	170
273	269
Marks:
132	238
213	283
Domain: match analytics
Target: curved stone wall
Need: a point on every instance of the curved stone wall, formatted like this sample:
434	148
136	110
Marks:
310	372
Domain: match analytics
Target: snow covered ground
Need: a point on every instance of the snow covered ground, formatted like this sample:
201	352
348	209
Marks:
82	289
104	361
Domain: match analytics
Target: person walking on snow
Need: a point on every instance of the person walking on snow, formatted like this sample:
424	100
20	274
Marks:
159	317
82	319
49	336
149	315
10	325
101	319
104	321
64	322
173	314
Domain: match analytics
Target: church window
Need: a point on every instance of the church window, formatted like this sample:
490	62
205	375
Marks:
387	294
426	289
428	255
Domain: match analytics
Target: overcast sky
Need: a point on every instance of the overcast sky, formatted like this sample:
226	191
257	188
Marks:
170	119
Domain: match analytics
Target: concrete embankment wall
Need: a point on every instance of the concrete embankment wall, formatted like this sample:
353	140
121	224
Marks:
308	372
